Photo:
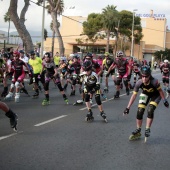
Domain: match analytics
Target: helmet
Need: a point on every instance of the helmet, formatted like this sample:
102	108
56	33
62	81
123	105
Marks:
71	55
21	51
87	65
75	56
145	70
89	55
62	59
32	52
47	54
119	53
106	53
166	61
16	53
5	55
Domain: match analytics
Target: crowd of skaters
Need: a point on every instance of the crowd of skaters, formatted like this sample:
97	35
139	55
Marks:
88	72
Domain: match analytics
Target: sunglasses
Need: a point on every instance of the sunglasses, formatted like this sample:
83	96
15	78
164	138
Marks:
145	76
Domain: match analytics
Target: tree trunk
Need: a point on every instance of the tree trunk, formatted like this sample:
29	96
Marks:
53	39
19	23
57	32
108	40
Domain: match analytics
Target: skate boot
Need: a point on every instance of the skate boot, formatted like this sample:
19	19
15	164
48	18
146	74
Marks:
106	90
116	95
104	96
9	96
72	93
5	92
78	102
147	133
127	91
13	119
66	100
35	95
135	134
103	115
17	96
45	102
25	91
89	116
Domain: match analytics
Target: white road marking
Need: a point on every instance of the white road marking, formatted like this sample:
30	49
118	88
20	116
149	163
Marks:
7	136
104	101
51	120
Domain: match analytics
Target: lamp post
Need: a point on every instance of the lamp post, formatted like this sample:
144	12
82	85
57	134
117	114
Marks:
42	32
132	43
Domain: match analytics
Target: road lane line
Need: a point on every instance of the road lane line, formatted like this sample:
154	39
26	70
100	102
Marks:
84	108
51	120
7	136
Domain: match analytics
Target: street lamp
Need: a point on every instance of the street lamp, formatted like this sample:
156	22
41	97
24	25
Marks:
132	33
42	32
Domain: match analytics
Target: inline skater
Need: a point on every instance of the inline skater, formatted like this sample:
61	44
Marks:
151	94
75	67
136	71
91	86
107	62
51	73
36	67
165	70
18	76
123	72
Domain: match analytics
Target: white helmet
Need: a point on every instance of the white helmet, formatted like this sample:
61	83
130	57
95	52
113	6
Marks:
119	53
71	55
166	61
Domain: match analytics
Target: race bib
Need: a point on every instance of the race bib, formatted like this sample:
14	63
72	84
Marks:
143	98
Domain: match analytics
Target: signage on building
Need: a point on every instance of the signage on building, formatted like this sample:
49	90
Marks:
160	16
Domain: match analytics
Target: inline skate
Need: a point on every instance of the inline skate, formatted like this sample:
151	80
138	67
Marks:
89	116
135	134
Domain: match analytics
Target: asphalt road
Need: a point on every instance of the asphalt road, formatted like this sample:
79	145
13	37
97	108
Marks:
56	137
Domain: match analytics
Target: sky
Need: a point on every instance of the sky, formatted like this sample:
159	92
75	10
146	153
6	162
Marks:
83	8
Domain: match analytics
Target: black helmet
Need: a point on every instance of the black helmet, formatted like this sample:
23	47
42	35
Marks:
145	70
87	65
5	55
47	54
89	55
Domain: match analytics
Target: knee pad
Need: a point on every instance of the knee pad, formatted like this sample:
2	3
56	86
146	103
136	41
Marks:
98	100
167	81
47	79
151	110
140	113
117	82
73	82
12	85
86	97
17	84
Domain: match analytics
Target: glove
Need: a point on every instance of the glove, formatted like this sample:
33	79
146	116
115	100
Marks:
126	111
166	104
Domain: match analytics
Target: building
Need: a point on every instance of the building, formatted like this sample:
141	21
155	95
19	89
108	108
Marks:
156	37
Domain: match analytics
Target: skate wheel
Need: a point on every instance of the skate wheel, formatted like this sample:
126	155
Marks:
106	120
86	119
15	129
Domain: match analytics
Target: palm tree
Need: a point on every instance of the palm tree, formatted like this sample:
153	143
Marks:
55	8
7	19
110	22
